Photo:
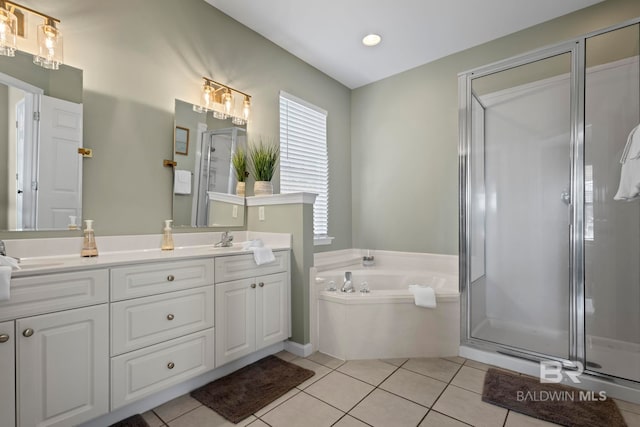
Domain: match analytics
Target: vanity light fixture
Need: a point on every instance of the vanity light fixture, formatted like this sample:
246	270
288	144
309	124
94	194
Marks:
371	40
49	37
220	100
8	30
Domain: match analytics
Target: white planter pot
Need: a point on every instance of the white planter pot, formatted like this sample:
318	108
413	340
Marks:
263	188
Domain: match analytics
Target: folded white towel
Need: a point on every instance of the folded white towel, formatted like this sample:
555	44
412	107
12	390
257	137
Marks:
5	281
261	254
182	182
423	296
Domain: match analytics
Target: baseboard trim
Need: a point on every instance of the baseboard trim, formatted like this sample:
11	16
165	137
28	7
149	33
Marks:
300	350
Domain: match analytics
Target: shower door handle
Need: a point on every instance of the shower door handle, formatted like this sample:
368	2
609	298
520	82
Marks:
565	196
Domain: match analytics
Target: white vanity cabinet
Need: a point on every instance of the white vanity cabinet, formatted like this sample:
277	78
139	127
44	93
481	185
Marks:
162	326
7	375
58	344
253	311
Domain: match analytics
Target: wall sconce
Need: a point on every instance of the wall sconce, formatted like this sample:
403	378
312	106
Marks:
220	100
49	37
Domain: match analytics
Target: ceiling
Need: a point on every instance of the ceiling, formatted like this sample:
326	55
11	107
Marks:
327	33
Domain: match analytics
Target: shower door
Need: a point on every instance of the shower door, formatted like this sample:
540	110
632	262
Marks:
612	226
519	204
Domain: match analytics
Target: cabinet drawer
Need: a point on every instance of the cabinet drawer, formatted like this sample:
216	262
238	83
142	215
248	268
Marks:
54	292
143	372
141	322
243	266
150	279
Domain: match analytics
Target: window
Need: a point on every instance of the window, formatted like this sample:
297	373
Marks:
304	164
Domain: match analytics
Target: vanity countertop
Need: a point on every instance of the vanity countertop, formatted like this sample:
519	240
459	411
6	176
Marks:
114	254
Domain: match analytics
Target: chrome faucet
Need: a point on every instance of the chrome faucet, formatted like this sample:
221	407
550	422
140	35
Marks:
3	249
226	240
347	286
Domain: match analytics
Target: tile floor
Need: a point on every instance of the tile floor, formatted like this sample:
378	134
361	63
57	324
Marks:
394	393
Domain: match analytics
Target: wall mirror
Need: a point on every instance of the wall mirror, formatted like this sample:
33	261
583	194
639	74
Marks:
40	134
204	182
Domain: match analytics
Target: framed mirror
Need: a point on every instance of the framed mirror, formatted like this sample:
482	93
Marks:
40	134
204	182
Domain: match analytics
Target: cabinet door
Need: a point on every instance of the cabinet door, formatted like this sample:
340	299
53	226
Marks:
272	310
63	366
235	316
7	375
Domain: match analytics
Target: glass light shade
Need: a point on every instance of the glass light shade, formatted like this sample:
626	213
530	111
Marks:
8	28
206	100
227	101
49	47
246	108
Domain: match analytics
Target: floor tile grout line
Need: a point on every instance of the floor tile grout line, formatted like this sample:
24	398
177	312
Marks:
449	416
175	418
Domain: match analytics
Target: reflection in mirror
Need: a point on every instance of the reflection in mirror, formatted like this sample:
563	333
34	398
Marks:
204	184
40	133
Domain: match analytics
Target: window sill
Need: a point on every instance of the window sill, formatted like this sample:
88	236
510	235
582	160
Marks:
322	240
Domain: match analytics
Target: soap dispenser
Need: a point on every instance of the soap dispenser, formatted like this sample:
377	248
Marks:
167	236
89	247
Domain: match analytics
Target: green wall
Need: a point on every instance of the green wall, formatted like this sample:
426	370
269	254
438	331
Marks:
138	57
404	137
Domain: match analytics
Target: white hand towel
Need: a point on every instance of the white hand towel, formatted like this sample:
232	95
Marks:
629	188
182	182
423	296
632	149
9	262
263	255
5	281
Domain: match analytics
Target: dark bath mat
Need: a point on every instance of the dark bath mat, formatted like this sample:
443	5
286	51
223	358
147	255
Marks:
132	421
556	403
251	388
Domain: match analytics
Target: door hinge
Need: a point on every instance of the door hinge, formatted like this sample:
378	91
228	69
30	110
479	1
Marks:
36	116
34	185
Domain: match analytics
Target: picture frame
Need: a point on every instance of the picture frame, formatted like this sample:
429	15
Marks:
182	140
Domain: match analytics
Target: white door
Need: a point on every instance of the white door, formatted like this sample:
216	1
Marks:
60	165
63	367
235	320
7	375
272	324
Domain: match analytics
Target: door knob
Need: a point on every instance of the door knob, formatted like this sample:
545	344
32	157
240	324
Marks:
261	285
27	332
170	365
253	286
4	338
170	316
171	278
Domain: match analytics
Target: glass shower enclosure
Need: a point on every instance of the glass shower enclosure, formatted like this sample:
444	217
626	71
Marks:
549	256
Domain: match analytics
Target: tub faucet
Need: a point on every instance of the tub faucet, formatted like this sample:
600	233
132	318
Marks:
3	249
347	286
226	240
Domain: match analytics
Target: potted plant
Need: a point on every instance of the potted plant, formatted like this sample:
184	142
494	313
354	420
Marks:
264	158
239	161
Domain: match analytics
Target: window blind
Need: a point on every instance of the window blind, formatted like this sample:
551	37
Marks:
304	164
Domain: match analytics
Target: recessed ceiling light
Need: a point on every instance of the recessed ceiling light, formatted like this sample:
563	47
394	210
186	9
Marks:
371	39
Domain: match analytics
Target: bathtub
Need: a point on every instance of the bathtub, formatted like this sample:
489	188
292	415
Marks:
385	323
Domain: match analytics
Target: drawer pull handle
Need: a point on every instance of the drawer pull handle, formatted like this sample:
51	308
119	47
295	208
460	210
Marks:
170	316
253	286
4	338
261	284
170	365
27	332
171	278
